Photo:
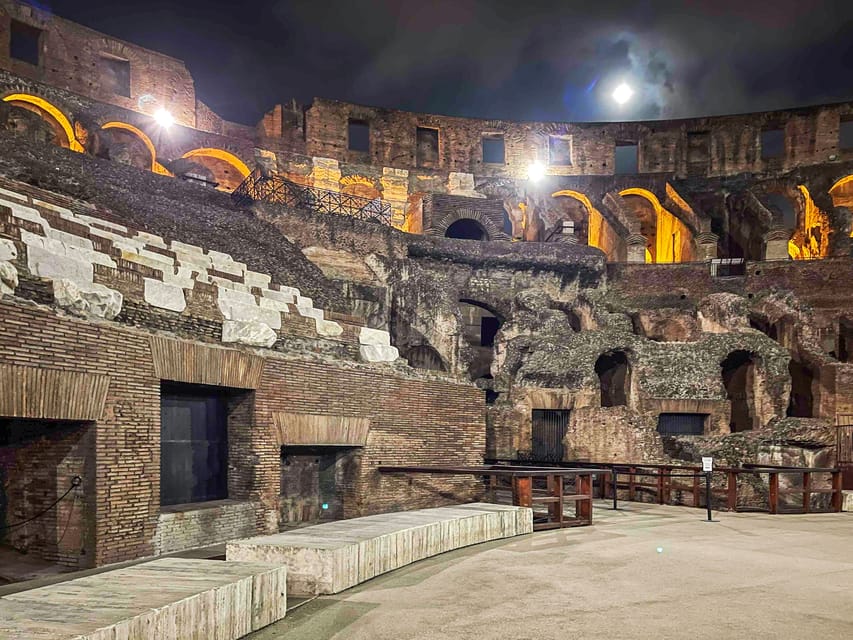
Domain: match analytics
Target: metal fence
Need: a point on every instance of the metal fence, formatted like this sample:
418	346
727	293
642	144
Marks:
271	188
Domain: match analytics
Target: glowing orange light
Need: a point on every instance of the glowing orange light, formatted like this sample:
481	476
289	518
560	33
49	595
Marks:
53	112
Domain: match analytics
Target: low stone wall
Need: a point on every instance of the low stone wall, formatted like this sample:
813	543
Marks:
329	558
161	600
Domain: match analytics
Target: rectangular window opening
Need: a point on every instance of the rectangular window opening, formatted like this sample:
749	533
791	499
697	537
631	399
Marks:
494	151
193	443
627	158
560	151
682	424
358	136
427	147
25	42
772	143
845	134
115	75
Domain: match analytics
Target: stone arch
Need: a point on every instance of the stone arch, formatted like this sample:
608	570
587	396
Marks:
423	356
58	121
154	165
490	228
228	170
599	232
668	237
842	194
614	378
360	186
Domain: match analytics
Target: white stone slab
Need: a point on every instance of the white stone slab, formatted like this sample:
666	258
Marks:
331	557
165	296
62	211
87	299
166	599
46	264
12	194
70	239
104	223
153	239
256	334
278	305
25	213
8	278
281	296
372	353
374	337
310	312
255	279
328	328
8	250
188	248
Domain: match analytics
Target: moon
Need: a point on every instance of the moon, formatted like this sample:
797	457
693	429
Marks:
622	93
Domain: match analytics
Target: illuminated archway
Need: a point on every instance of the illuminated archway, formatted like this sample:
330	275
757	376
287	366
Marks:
670	239
52	115
811	236
228	170
842	194
156	167
600	234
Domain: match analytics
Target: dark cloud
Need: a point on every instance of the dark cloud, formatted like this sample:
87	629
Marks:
556	60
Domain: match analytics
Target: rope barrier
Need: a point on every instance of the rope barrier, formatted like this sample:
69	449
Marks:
76	481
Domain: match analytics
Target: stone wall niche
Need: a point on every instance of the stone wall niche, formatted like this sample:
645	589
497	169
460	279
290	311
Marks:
739	379
614	376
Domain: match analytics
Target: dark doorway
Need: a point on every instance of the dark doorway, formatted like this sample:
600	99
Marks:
738	372
614	376
801	404
423	356
193	444
845	340
24	42
549	430
40	462
466	229
312	482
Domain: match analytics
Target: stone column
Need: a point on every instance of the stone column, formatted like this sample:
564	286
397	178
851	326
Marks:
776	244
636	248
706	246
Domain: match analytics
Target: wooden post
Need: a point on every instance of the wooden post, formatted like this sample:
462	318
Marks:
837	495
631	483
555	490
522	491
807	491
696	502
731	491
660	485
667	485
774	492
493	487
584	487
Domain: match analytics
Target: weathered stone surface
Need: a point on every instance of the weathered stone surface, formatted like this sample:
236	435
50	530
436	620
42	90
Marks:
286	294
373	353
8	278
310	312
87	299
250	332
8	250
46	264
374	337
328	328
164	296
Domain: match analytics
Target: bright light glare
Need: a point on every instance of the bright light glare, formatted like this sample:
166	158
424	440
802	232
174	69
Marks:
536	171
622	93
164	118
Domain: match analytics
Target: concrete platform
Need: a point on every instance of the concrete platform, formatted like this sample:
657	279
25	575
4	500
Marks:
331	557
645	572
164	599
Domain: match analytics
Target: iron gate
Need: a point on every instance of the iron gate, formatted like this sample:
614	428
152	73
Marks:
549	429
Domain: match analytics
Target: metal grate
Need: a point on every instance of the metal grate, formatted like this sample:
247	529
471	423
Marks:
725	267
262	187
681	424
549	429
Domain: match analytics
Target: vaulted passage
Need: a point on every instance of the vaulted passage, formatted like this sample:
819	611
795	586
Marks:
466	229
801	404
614	376
738	372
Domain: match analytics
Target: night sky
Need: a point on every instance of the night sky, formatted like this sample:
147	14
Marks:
512	59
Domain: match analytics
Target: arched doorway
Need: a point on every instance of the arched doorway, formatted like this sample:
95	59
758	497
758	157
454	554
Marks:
668	239
63	132
738	375
614	378
466	229
480	326
226	170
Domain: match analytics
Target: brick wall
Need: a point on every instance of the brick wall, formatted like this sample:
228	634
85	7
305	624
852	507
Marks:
413	421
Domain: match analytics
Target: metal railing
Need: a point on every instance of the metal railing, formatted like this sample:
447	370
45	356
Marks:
260	186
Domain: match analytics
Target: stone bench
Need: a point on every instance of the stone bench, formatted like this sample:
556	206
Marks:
164	599
328	558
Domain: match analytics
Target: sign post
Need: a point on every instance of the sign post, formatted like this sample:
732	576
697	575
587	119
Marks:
708	468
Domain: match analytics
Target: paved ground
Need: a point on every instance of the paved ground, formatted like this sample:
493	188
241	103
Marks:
643	572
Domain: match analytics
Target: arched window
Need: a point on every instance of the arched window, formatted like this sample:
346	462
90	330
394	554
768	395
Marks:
614	378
